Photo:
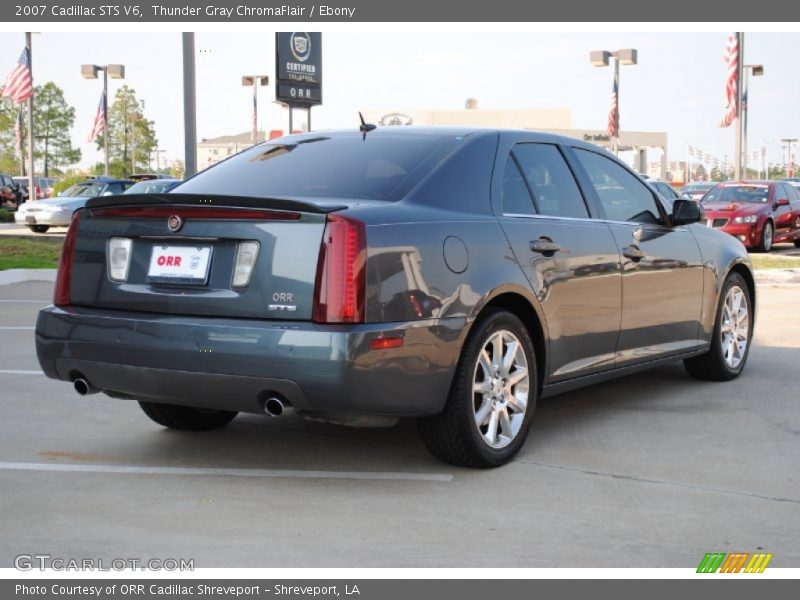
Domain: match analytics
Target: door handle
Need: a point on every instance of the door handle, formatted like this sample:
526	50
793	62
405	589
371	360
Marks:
544	246
633	252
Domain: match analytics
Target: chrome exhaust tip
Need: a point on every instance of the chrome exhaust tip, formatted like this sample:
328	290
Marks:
274	406
84	388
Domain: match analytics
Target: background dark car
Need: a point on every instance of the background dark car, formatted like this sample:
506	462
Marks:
152	186
10	194
669	193
696	190
758	213
451	275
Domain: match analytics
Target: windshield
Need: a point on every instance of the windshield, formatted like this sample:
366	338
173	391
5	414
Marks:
155	186
88	189
381	166
757	194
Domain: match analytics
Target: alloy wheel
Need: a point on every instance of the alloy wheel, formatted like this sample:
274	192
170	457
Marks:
500	388
735	327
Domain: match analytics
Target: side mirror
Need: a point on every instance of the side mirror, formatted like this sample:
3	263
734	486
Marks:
685	212
783	202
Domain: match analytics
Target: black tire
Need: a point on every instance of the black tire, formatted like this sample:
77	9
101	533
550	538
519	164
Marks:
712	365
39	228
797	243
187	418
767	241
453	435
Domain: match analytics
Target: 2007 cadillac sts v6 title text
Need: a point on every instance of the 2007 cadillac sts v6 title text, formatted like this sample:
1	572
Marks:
450	275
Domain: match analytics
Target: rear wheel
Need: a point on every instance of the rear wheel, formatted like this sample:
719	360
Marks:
186	417
730	342
39	228
797	243
491	402
767	235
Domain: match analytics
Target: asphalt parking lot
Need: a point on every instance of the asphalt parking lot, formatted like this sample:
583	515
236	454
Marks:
653	470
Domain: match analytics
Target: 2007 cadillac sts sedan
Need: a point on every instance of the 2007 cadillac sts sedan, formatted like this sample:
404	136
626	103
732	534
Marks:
450	275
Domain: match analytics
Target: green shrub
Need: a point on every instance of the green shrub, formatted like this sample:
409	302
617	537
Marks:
6	216
66	182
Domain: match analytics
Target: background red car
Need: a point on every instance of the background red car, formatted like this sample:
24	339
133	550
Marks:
758	213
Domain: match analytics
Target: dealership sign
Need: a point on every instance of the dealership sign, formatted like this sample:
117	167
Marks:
298	68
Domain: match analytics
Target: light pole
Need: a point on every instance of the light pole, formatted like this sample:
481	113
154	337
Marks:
757	71
115	72
255	81
600	58
789	170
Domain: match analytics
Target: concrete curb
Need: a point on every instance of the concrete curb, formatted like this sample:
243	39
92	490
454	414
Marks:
23	275
763	277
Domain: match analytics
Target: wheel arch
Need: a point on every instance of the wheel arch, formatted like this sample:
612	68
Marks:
742	269
520	303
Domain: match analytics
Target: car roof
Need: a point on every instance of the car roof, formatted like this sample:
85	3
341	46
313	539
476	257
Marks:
758	182
105	180
401	130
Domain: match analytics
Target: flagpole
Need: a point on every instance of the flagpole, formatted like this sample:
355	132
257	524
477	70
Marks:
738	149
616	81
31	184
20	143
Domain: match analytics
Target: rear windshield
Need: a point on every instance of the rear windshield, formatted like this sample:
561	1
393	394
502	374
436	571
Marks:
382	166
738	193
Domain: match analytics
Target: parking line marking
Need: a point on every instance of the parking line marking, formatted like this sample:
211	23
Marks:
19	372
17	328
212	471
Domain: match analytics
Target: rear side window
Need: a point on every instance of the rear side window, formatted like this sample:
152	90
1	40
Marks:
555	192
623	196
381	166
516	197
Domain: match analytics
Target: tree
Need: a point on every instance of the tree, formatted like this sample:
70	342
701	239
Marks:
52	120
131	136
9	158
177	169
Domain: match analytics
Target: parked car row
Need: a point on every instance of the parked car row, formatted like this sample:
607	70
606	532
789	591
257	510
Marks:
40	216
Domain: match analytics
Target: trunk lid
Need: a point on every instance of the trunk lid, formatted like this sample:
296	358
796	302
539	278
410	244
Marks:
183	250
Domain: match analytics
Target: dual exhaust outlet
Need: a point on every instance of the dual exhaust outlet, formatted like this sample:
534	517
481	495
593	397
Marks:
274	406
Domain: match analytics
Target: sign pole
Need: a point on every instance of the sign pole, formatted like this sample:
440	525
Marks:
308	118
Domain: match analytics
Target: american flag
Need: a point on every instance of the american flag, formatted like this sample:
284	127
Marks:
99	125
691	150
18	131
613	111
731	57
19	83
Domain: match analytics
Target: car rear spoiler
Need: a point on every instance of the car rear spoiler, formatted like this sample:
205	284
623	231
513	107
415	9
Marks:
213	200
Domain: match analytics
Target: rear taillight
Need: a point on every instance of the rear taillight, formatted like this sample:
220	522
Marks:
341	275
61	296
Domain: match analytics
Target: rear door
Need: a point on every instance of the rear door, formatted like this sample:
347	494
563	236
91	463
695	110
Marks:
784	215
662	271
570	259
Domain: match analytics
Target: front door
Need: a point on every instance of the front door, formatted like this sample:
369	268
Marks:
662	271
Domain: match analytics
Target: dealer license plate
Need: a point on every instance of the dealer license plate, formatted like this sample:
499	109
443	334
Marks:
179	264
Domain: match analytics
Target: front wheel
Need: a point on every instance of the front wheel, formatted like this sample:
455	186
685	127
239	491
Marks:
733	331
186	417
767	235
491	402
39	228
797	243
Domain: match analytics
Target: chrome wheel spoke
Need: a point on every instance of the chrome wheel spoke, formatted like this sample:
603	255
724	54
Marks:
510	357
491	429
497	351
517	376
517	404
482	387
483	412
505	425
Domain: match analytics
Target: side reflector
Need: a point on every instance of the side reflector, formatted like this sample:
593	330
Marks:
341	274
118	258
246	255
61	295
383	343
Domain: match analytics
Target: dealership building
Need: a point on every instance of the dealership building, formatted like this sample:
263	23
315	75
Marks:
557	121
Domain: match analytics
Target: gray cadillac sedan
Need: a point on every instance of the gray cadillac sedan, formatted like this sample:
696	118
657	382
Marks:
451	275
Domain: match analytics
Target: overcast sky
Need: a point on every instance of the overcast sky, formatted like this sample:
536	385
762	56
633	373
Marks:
677	87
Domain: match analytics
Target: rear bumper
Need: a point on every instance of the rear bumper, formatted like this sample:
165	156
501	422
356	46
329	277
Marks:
235	364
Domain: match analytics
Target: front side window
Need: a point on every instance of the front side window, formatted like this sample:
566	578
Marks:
622	195
554	188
